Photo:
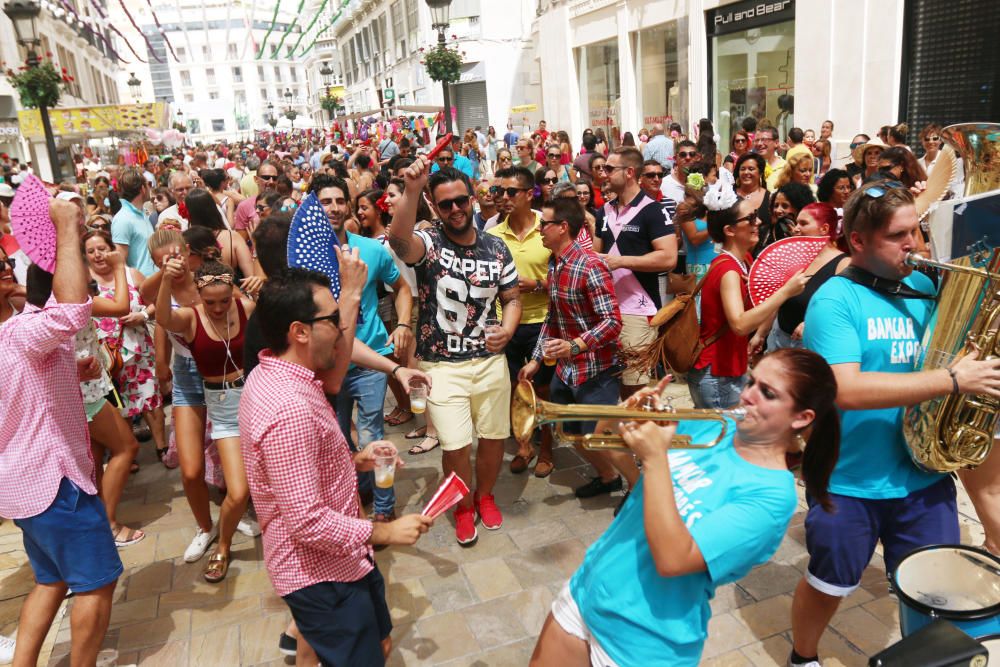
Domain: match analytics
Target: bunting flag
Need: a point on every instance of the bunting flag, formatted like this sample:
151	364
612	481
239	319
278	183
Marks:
138	30
183	24
284	35
162	32
248	28
93	30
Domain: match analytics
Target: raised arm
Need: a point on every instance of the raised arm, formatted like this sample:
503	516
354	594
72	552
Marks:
181	319
353	274
119	305
407	245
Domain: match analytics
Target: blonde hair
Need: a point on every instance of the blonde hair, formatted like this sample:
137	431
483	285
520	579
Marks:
163	238
786	175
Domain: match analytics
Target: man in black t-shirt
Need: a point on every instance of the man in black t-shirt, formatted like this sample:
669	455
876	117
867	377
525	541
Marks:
636	237
461	273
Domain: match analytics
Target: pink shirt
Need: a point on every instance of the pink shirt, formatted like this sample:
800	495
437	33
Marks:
246	214
302	479
43	427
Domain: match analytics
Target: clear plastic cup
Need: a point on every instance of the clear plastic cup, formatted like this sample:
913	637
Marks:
418	397
547	360
385	466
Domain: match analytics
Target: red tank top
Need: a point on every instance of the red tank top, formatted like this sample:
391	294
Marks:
210	355
728	354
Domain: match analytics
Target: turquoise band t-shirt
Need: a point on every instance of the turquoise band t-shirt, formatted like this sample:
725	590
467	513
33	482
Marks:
849	323
737	513
381	269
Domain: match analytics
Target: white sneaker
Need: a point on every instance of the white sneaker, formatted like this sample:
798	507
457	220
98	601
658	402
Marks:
199	545
811	663
248	526
6	649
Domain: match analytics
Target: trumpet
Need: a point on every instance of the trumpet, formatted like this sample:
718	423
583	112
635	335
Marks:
527	413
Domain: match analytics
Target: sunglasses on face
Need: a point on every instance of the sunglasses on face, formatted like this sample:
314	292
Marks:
750	217
9	262
686	154
267	177
261	208
555	156
333	318
932	139
447	204
549	181
739	140
653	174
855	144
446	159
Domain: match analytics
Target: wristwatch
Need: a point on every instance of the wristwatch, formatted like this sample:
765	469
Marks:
574	348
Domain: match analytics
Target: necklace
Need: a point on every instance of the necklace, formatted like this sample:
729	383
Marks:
739	261
229	357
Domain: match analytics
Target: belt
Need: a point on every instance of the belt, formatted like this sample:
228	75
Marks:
228	384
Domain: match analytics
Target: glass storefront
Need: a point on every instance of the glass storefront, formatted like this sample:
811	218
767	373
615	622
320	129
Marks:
753	67
661	72
601	87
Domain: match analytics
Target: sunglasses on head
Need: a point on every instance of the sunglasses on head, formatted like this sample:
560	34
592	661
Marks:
447	204
878	191
333	318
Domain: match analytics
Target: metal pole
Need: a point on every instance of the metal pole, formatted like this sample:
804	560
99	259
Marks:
444	86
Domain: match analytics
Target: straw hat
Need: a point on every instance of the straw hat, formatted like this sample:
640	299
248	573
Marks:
859	152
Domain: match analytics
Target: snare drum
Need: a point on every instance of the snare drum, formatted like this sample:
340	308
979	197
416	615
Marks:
954	582
992	644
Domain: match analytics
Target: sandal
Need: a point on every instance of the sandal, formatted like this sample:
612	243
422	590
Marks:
520	463
421	448
134	468
216	568
419	432
397	417
543	468
132	536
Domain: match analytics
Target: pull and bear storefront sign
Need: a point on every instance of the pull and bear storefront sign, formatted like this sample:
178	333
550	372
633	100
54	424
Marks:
749	14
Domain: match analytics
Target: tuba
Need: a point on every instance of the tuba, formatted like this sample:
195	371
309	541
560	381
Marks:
956	431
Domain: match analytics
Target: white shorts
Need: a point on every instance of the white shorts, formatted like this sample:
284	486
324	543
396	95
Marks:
567	615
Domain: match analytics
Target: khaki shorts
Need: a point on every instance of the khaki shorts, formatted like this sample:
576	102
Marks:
636	333
469	398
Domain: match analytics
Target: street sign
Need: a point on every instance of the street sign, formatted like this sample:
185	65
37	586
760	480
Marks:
389	95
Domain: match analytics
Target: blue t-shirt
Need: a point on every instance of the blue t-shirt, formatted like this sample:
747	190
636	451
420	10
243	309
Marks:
704	252
847	323
381	269
737	513
462	163
129	227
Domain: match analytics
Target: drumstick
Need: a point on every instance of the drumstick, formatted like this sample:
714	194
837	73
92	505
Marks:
441	145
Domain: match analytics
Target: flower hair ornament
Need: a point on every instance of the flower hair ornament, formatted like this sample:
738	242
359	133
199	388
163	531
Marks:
720	196
695	180
205	281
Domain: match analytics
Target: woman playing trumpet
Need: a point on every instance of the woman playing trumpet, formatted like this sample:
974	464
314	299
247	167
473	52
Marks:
696	520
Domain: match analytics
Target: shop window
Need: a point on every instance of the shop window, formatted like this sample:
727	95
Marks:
602	83
662	73
218	125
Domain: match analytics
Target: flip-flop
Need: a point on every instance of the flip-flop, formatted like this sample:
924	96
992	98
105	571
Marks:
417	433
134	536
419	449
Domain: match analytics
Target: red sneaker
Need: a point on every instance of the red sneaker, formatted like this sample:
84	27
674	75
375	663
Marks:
489	513
465	526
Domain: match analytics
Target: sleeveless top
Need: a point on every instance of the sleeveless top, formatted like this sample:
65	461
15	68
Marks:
728	354
212	356
793	312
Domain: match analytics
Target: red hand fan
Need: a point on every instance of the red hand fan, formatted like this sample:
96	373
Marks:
31	224
451	491
441	145
778	262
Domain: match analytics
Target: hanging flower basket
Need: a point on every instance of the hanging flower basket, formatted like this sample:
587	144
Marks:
330	104
180	127
39	86
443	63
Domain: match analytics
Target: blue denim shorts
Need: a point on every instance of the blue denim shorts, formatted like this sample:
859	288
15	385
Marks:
841	543
189	388
224	411
714	392
71	541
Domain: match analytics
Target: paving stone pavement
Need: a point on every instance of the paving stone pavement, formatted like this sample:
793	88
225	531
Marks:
450	606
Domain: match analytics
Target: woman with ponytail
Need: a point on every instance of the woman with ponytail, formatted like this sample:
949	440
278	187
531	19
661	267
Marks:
696	520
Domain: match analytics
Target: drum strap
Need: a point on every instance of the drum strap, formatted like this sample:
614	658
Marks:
891	288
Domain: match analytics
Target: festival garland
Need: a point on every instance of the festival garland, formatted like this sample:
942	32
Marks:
270	29
284	35
319	13
248	24
335	18
163	34
93	31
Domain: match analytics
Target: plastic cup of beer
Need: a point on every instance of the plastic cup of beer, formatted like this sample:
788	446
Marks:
385	467
547	360
418	397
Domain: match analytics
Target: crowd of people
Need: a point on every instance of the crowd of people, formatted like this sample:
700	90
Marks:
493	262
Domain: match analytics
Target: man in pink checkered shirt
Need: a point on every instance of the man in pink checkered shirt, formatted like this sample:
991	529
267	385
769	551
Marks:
46	468
302	475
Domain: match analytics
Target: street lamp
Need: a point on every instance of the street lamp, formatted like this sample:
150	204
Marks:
291	114
134	85
439	21
271	120
327	73
23	14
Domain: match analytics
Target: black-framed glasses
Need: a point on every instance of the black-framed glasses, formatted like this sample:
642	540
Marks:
499	191
687	154
750	217
654	174
267	177
611	167
549	222
555	155
447	204
549	181
333	318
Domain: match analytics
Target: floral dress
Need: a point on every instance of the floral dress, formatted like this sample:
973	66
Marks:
137	380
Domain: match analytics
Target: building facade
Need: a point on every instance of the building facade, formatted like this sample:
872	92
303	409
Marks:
380	44
625	64
80	43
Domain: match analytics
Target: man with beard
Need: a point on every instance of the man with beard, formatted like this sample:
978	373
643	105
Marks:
365	386
245	219
461	273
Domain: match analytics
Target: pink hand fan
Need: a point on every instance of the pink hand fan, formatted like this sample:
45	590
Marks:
778	262
31	224
452	490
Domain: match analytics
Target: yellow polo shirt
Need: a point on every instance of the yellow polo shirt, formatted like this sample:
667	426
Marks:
532	261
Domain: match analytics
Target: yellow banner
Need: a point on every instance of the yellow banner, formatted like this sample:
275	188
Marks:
524	108
77	121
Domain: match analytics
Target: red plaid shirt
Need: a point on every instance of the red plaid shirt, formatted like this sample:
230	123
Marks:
582	304
43	427
302	479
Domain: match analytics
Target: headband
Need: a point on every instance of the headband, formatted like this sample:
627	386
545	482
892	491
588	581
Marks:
205	281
